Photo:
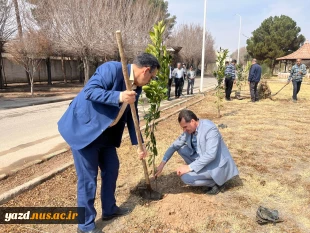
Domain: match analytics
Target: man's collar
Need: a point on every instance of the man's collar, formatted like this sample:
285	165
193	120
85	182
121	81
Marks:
132	78
196	131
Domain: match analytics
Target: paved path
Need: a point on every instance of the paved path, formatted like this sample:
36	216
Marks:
30	132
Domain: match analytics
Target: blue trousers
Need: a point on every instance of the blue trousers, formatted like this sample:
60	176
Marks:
87	161
296	88
202	178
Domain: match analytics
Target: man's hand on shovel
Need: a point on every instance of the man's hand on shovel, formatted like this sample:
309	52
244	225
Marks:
142	153
128	97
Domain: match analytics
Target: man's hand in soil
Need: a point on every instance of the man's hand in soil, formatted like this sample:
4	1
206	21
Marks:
128	97
142	153
160	168
183	169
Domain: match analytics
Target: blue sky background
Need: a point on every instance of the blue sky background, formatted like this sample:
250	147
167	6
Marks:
223	23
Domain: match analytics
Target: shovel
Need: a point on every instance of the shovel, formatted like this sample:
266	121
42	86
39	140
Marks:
148	192
280	89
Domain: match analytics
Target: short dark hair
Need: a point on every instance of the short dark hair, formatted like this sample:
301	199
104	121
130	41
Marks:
226	62
188	115
147	60
234	61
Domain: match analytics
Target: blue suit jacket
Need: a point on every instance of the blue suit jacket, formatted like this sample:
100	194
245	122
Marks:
213	154
97	105
255	73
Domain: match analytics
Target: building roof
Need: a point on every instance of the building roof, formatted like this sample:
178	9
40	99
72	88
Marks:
303	53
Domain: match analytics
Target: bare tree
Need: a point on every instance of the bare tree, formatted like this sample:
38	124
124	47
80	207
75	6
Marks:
243	55
20	28
86	28
189	37
7	29
29	52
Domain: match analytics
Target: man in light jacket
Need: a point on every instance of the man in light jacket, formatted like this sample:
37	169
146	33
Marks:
208	161
298	71
191	75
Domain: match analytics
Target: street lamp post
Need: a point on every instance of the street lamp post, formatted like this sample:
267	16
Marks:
239	39
203	47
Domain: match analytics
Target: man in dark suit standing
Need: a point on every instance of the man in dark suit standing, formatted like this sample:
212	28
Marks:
253	79
170	80
93	126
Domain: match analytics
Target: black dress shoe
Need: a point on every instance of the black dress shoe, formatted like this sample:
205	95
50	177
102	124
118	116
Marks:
96	230
120	212
215	190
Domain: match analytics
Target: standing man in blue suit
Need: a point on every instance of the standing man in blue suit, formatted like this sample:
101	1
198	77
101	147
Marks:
207	158
93	126
255	74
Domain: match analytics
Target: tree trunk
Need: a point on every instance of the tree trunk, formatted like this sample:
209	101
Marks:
31	88
86	69
71	71
218	104
30	75
34	64
63	68
28	78
19	25
81	69
39	73
49	73
1	73
273	67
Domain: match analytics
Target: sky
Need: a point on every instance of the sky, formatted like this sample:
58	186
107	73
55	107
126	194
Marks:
223	23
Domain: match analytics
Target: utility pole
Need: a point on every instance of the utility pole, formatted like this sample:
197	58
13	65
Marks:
238	62
203	47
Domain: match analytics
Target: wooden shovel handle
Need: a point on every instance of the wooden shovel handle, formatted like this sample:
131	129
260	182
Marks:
132	106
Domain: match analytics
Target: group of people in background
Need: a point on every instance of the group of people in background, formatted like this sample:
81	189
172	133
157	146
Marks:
179	75
297	73
253	79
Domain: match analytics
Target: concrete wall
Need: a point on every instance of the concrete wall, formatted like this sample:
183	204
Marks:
15	73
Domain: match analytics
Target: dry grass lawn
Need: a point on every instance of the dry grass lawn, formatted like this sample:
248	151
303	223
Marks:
269	141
